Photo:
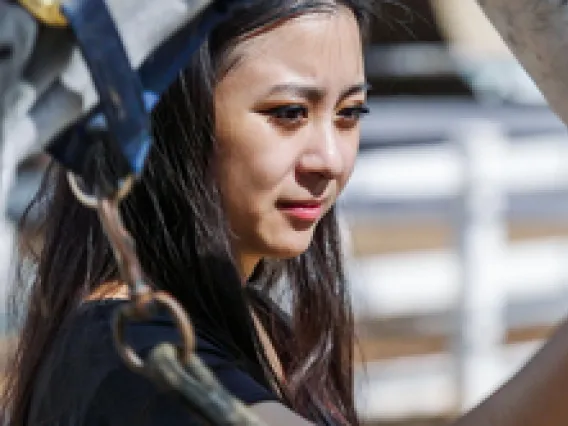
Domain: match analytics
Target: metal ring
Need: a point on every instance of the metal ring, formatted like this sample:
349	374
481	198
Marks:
47	11
92	201
140	310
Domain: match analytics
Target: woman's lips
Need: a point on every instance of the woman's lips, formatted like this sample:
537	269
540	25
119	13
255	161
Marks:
306	211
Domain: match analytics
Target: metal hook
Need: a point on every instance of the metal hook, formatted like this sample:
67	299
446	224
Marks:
92	201
142	310
143	299
123	246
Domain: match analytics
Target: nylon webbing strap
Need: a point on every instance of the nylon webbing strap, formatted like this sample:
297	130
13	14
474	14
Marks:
118	85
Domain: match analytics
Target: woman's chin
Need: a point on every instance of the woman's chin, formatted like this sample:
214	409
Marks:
289	246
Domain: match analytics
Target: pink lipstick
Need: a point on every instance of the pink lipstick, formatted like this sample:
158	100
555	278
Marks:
306	211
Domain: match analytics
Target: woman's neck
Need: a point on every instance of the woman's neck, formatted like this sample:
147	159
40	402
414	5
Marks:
247	265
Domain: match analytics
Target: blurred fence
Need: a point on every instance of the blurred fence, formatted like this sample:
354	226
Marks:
474	292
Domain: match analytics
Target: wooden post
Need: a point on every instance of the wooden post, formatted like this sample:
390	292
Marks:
481	241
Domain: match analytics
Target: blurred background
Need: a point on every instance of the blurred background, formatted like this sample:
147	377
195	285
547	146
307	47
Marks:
456	217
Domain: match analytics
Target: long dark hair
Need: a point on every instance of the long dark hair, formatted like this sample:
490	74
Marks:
182	240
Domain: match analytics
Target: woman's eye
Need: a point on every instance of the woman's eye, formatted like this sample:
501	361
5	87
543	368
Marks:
290	114
354	113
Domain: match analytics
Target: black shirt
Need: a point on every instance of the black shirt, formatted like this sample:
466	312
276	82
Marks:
83	381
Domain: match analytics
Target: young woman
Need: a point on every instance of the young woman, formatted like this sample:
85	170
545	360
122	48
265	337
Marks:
254	142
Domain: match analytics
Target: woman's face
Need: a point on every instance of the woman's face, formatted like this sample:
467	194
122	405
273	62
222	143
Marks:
288	131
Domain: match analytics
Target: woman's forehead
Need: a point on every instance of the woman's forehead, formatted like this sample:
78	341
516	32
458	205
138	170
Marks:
316	48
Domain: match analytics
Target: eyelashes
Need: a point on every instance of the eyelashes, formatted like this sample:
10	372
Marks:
355	112
292	113
296	114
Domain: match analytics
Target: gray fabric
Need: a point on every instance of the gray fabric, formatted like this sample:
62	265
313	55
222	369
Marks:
61	91
17	36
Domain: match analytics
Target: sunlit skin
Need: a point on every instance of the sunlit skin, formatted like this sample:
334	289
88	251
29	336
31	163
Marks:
287	126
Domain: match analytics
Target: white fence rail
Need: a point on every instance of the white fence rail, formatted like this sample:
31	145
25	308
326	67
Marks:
400	284
422	173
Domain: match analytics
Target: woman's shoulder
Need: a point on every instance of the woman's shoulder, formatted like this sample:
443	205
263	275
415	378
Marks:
89	331
84	372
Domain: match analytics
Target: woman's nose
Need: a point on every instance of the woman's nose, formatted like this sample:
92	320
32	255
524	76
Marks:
323	154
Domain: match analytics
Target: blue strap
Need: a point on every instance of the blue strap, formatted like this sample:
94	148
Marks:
74	148
118	85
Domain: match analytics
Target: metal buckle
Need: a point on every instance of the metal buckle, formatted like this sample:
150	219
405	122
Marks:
47	11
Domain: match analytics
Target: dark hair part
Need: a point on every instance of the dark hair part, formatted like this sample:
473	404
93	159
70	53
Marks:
174	211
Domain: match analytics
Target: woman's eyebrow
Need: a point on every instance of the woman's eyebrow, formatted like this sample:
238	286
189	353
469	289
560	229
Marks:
309	92
356	88
315	93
